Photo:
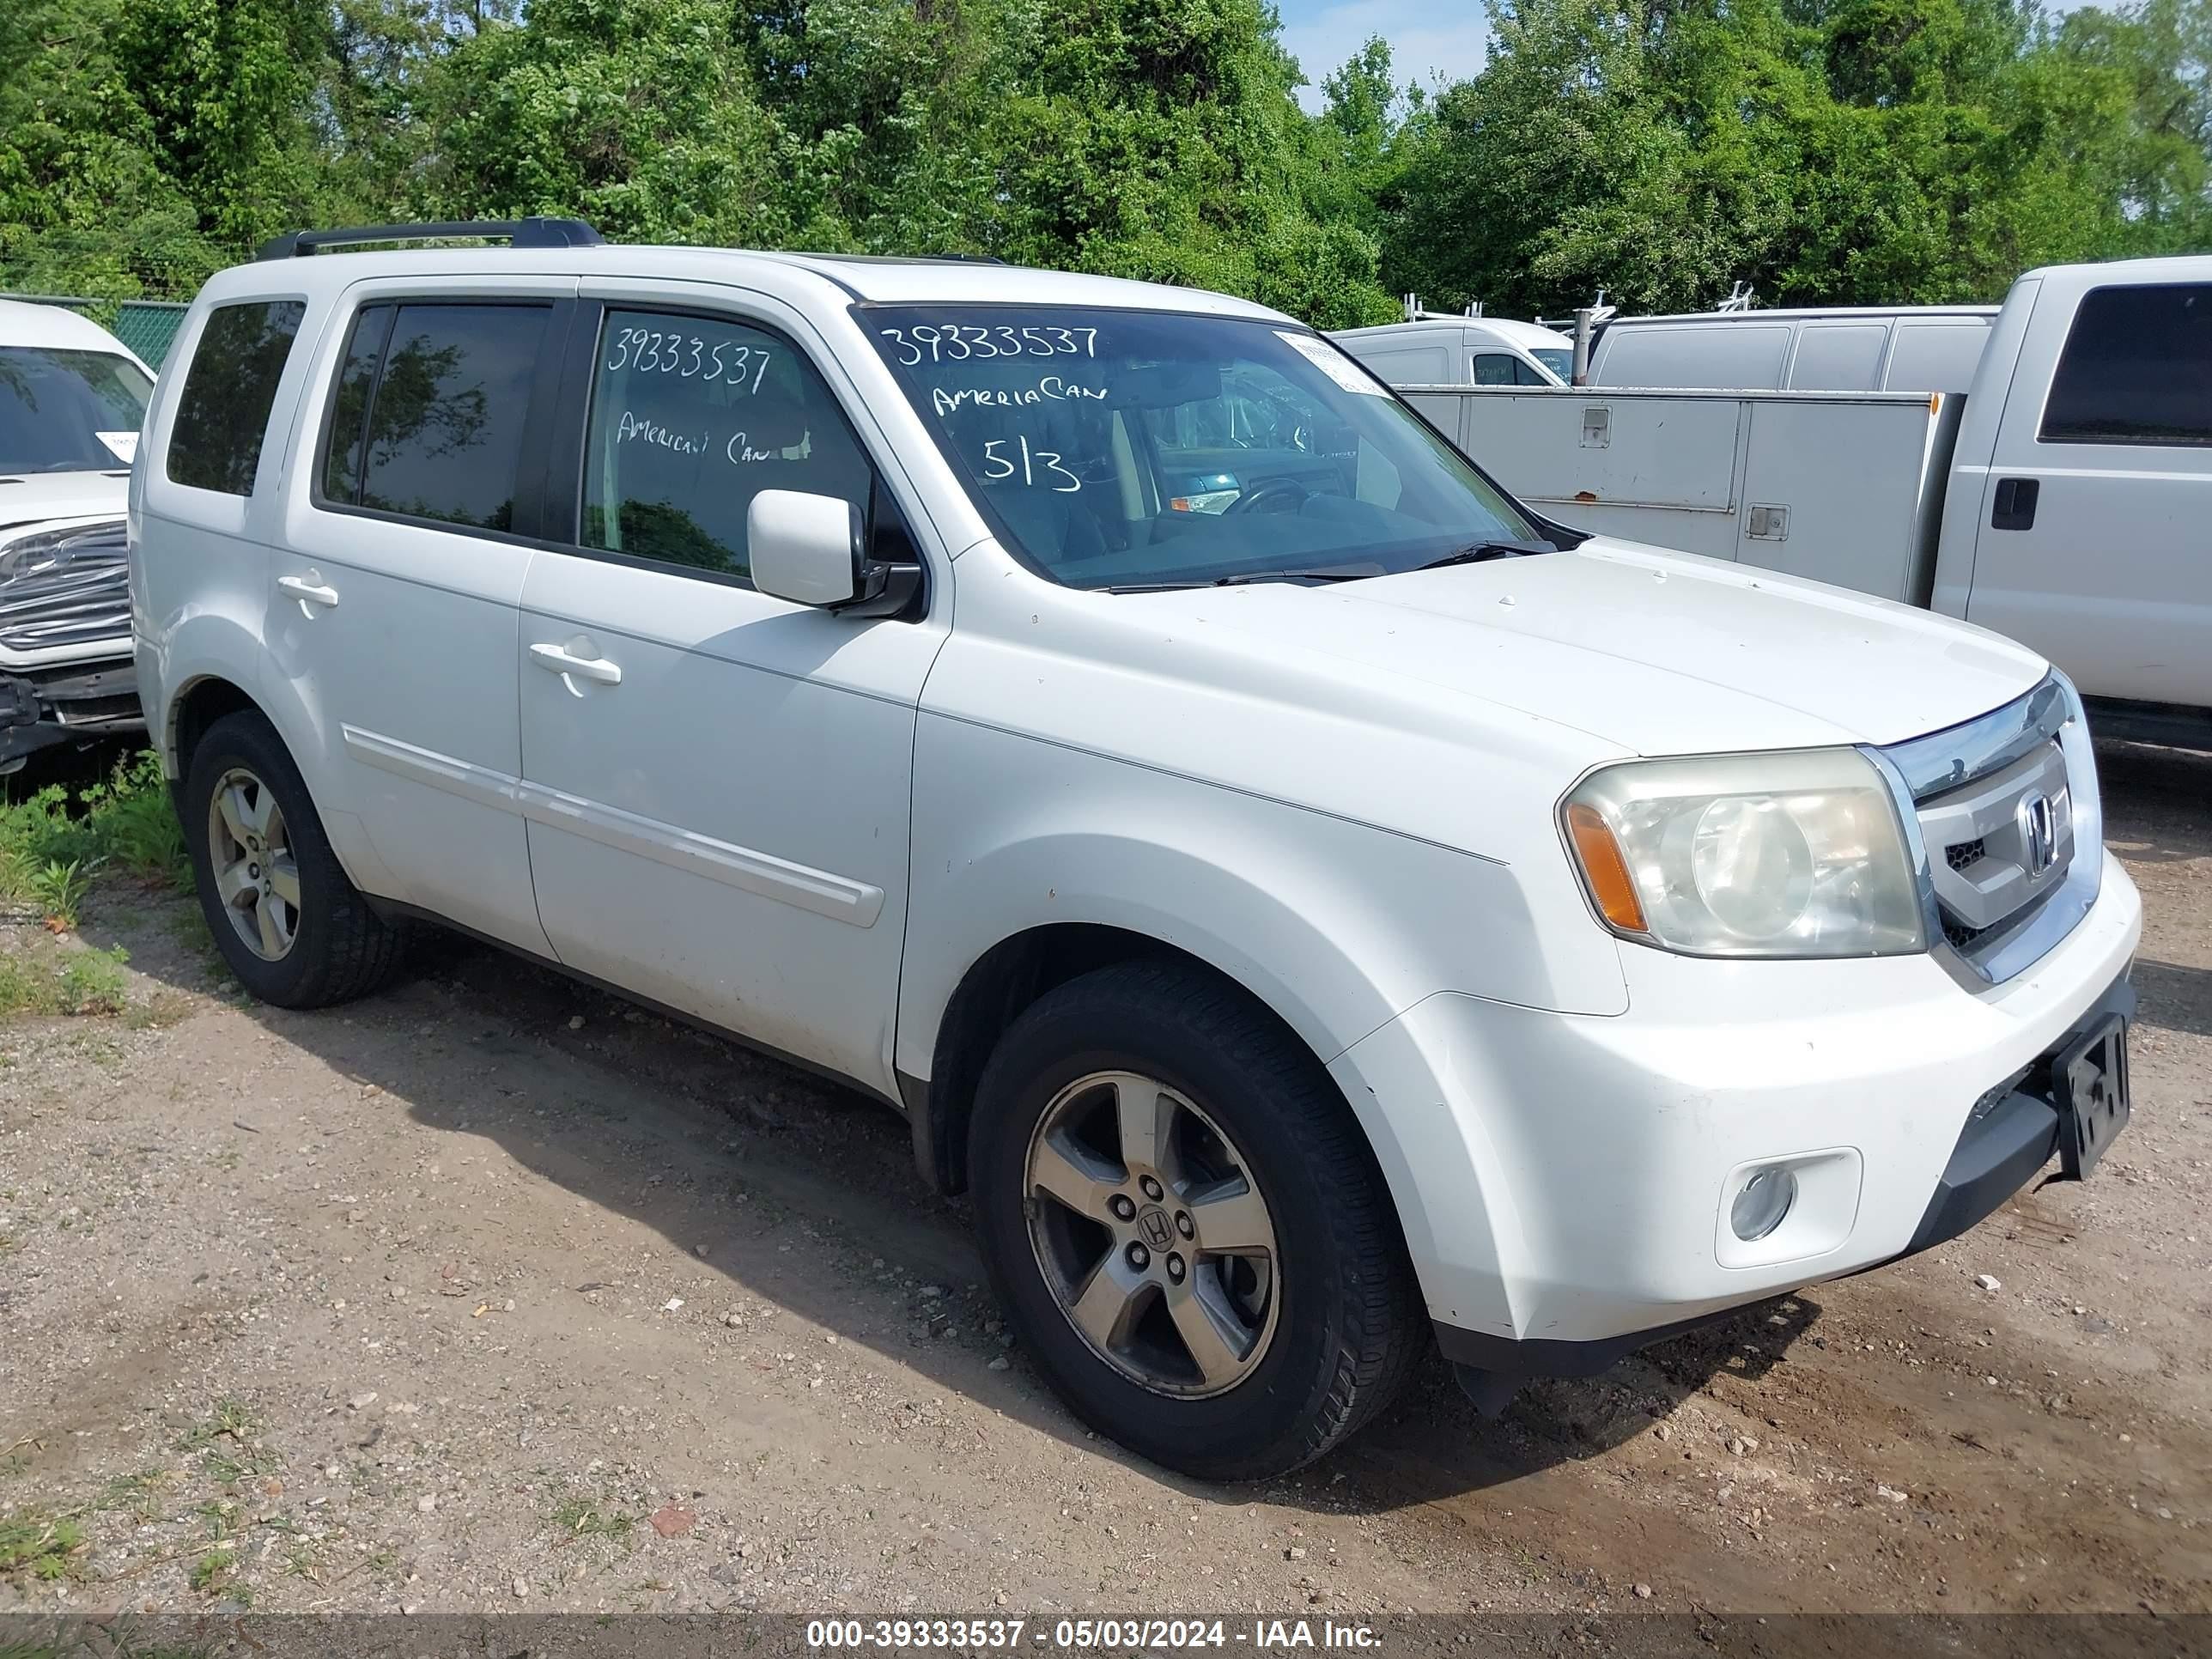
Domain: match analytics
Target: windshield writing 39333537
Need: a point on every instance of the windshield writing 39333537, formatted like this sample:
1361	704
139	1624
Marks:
1141	448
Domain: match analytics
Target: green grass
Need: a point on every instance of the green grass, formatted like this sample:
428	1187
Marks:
135	1495
225	1439
87	982
53	844
579	1517
47	1547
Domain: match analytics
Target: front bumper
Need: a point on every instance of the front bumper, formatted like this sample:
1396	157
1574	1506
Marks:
69	702
1564	1180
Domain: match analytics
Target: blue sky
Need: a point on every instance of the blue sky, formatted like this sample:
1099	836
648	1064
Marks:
1426	37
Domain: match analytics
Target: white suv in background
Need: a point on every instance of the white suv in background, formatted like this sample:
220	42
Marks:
71	400
1357	909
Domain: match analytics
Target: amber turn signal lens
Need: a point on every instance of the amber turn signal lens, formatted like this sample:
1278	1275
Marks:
1604	869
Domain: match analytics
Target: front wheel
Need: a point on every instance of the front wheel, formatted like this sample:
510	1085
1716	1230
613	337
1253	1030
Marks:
1188	1227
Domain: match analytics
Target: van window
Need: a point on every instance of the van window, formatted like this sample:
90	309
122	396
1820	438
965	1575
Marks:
1837	356
215	439
1936	357
690	419
437	433
1708	355
1504	368
2137	370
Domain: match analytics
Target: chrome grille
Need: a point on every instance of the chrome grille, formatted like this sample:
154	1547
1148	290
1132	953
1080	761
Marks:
64	587
1993	802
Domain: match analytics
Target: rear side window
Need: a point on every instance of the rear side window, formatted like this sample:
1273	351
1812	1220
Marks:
223	415
428	416
2137	370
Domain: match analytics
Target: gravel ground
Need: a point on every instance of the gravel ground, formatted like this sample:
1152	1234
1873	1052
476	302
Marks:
492	1292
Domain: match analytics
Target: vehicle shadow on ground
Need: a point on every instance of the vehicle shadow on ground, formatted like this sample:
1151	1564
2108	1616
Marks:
2177	998
714	1146
2158	802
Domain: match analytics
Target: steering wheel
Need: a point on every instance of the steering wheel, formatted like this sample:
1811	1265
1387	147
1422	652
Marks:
1264	496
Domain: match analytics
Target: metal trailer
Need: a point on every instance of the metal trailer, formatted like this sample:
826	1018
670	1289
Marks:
1751	477
1842	487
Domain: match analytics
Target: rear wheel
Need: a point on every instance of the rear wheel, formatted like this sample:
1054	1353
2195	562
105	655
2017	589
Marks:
286	918
1189	1228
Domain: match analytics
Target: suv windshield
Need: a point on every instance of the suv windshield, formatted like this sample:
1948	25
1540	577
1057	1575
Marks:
68	411
1135	449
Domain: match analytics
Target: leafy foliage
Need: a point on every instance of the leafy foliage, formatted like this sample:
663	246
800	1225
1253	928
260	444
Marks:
1870	150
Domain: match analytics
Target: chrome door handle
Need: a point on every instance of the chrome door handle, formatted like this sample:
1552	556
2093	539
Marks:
307	592
556	660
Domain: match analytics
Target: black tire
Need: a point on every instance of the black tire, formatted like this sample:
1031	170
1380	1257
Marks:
1350	1324
340	949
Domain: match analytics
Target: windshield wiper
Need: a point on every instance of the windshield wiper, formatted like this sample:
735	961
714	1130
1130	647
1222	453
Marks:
1333	574
1481	552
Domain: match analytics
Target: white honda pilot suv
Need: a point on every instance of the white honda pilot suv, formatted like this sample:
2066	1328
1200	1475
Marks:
1306	899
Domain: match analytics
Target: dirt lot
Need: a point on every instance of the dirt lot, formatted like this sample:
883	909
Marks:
492	1292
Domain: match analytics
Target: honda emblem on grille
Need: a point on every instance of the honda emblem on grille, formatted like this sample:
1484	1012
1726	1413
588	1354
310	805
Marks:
2038	833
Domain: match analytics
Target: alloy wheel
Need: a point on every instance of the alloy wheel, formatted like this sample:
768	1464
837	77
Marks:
1151	1234
250	851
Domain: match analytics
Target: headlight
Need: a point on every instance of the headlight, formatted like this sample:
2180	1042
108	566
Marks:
1798	854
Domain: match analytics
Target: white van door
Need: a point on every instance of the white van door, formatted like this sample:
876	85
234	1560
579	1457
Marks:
2092	544
717	782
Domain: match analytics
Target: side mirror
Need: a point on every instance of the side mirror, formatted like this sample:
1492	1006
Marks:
813	549
807	549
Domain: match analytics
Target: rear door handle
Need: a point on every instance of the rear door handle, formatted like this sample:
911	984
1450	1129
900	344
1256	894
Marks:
2014	506
307	590
556	660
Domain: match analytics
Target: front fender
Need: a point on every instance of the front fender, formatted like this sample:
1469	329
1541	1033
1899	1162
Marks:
1337	926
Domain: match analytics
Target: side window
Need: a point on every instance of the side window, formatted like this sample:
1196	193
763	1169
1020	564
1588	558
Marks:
1525	373
2137	370
427	418
691	419
372	331
223	415
1495	368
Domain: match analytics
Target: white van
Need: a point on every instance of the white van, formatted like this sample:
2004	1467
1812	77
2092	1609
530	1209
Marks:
1463	351
1366	911
1837	349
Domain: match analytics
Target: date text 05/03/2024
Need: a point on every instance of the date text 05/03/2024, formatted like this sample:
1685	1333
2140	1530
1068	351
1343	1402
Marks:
1262	1635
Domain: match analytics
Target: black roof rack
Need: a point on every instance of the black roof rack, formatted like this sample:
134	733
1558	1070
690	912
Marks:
905	258
518	232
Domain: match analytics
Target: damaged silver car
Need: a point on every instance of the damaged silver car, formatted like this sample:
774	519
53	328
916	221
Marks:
71	400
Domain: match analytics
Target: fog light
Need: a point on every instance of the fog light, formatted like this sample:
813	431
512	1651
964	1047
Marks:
1765	1199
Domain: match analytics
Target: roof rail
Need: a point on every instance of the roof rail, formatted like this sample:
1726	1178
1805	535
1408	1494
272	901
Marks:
535	232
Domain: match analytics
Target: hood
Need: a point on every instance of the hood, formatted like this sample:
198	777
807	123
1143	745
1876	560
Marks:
1654	653
26	498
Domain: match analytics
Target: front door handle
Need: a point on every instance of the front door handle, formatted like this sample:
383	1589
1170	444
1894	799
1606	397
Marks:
2014	506
554	660
308	590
